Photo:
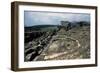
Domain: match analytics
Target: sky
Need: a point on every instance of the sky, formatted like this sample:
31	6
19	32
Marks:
32	18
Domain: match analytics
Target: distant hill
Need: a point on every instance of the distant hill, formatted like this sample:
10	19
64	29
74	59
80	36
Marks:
55	27
41	28
80	23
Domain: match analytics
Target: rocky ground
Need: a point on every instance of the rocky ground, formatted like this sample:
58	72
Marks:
72	44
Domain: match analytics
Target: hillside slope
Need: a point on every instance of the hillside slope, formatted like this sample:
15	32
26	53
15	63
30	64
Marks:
72	44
